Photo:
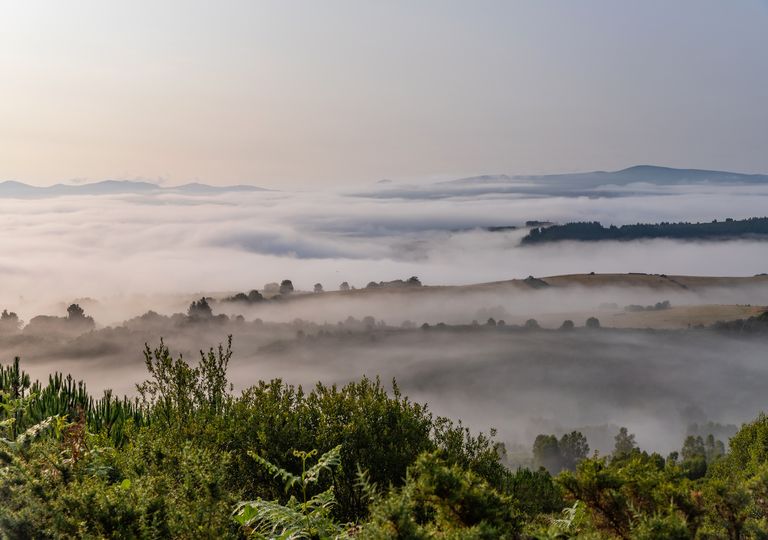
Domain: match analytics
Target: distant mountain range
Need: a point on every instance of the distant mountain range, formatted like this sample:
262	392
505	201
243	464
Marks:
14	189
589	184
596	183
648	174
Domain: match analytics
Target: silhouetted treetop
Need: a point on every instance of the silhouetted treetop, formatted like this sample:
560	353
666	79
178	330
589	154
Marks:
200	309
286	287
75	312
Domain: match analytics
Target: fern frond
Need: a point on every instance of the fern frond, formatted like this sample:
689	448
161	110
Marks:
369	489
322	502
295	520
31	434
328	461
270	519
288	478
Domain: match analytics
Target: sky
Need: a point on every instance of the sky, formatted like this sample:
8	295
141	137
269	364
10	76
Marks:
303	95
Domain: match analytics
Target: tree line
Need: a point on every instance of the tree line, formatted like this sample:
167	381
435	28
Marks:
595	231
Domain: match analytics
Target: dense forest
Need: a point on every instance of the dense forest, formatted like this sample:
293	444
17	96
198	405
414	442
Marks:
593	231
189	459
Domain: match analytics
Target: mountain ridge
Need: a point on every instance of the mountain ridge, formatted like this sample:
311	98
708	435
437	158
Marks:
653	174
16	189
635	180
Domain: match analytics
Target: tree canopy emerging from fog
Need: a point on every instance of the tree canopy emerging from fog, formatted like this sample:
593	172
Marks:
200	309
563	454
75	312
593	322
9	321
252	297
286	287
625	443
593	231
412	281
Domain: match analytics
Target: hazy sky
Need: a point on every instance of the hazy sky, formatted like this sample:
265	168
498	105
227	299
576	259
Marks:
308	94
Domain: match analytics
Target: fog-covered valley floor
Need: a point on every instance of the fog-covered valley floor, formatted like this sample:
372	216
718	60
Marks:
489	374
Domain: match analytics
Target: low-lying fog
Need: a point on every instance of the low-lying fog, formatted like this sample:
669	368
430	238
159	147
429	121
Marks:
122	247
521	382
120	256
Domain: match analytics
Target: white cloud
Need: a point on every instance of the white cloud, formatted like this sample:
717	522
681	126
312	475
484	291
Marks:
57	249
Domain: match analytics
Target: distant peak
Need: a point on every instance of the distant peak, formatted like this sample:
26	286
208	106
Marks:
646	168
656	169
10	183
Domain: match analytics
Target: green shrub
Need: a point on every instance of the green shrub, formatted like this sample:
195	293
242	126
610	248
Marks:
443	500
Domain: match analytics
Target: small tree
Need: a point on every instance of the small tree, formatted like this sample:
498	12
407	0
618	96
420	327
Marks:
693	447
200	309
318	287
546	453
625	443
344	286
77	318
255	296
573	448
532	324
713	448
176	391
567	325
9	321
593	322
286	287
75	312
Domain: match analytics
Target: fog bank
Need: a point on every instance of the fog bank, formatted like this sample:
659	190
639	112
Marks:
125	246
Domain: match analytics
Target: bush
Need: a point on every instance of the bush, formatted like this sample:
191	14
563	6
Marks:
446	501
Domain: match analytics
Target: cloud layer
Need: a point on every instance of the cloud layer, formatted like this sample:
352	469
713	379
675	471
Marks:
54	250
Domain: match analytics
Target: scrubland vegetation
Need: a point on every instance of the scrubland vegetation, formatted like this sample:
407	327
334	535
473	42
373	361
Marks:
189	458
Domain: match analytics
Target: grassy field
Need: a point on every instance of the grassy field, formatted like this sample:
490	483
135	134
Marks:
696	300
675	317
650	281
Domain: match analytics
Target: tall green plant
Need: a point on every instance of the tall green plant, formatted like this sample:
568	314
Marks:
176	390
66	398
297	519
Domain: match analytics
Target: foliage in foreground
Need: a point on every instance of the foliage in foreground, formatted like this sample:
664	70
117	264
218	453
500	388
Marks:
309	517
188	454
195	450
443	501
